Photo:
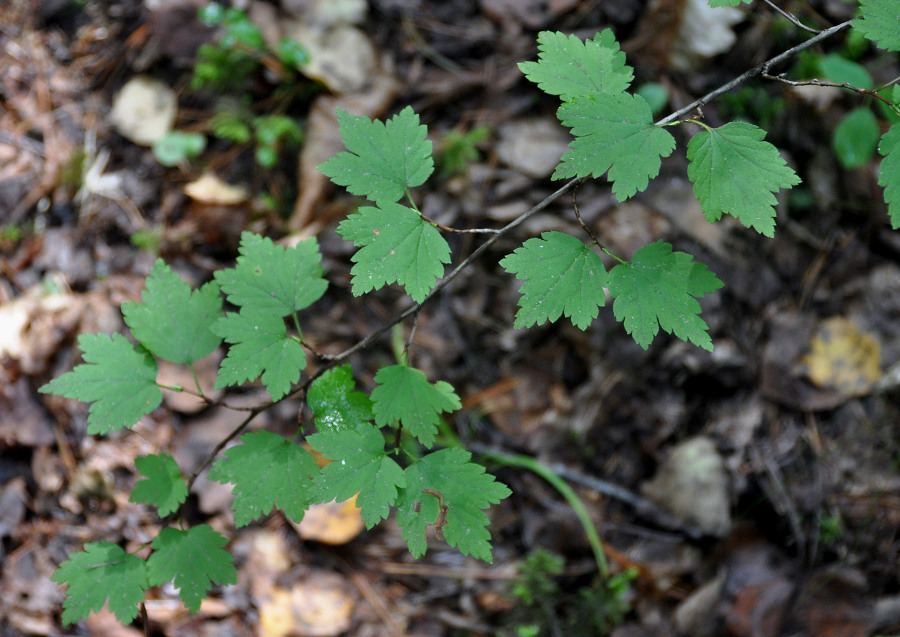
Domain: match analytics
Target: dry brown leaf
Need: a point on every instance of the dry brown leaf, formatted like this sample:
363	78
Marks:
209	189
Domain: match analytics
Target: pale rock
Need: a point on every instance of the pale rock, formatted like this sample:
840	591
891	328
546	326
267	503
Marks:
692	484
704	32
532	146
144	110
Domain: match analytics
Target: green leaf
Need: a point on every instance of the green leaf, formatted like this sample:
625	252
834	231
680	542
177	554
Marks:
404	394
103	571
267	471
466	490
164	486
655	94
240	30
173	321
272	278
194	558
360	465
384	160
259	345
657	290
212	14
891	110
614	133
396	244
570	67
177	146
727	3
562	276
889	174
836	68
734	171
231	122
292	53
334	403
880	22
855	138
119	380
272	129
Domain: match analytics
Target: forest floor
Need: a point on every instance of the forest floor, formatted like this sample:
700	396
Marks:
752	492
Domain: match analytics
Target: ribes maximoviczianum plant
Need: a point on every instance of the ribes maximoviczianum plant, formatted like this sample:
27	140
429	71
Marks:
382	444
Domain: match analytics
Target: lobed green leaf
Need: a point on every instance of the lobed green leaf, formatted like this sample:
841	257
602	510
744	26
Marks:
384	160
102	572
562	276
194	558
360	466
465	489
173	321
259	346
570	67
404	394
273	279
659	289
880	22
119	381
395	244
613	133
163	487
734	171
267	471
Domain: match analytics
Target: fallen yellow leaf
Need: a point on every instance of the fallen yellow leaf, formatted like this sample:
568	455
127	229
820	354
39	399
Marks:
843	358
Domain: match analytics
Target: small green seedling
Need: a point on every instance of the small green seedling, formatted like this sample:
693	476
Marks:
176	147
458	150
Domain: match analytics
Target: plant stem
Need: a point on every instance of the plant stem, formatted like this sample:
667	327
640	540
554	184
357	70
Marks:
336	358
196	379
757	70
567	492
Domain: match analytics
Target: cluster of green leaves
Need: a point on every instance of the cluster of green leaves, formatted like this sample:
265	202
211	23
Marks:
382	445
733	169
595	609
271	134
858	134
614	133
239	50
657	290
458	150
223	68
269	285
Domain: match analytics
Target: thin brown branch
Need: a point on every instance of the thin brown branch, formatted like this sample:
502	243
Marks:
756	70
336	358
791	18
222	443
818	82
584	226
458	230
332	360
